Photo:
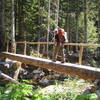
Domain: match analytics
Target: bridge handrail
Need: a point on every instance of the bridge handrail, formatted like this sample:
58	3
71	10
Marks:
81	45
70	44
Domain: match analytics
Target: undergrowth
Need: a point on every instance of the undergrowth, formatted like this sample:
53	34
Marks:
29	92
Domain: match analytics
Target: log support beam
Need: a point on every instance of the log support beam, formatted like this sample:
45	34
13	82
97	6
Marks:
85	72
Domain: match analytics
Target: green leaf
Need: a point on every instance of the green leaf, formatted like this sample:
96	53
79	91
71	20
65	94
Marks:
92	96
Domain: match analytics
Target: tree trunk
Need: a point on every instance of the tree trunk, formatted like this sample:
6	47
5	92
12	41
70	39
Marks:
85	21
48	30
77	33
57	12
20	19
98	50
13	27
21	32
77	20
85	27
2	32
66	27
70	35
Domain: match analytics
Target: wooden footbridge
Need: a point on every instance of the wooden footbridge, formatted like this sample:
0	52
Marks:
85	72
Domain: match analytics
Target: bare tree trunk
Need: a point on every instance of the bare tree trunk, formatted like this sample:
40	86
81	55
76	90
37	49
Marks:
21	29
77	20
20	19
57	12
77	32
39	31
66	27
70	35
85	27
13	27
98	50
48	30
2	32
85	21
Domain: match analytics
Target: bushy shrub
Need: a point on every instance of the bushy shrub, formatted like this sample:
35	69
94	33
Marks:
15	92
68	90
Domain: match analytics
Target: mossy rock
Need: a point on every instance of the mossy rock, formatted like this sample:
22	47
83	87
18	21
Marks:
17	64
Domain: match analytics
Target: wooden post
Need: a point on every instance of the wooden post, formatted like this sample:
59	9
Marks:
13	47
25	46
7	47
38	48
80	55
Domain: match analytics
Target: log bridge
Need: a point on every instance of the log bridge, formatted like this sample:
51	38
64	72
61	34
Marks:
82	71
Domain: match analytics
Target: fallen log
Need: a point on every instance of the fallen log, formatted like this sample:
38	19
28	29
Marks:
85	72
8	78
10	67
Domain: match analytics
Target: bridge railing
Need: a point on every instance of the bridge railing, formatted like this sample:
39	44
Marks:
80	45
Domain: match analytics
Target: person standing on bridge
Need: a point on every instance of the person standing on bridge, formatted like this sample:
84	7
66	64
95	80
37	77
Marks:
60	38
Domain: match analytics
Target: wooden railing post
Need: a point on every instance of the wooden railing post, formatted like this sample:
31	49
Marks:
38	48
13	49
7	47
25	47
80	55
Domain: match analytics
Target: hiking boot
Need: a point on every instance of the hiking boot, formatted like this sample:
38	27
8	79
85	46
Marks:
54	60
62	61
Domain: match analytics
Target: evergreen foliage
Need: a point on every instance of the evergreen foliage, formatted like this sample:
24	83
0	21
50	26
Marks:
34	15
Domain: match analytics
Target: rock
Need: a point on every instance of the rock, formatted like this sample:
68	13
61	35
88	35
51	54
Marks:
97	83
37	71
44	81
98	93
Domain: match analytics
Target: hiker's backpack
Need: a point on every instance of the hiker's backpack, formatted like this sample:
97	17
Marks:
61	31
61	35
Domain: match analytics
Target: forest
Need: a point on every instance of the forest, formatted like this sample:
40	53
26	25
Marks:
27	27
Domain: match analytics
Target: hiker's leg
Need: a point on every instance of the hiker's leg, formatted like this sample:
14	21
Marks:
62	52
56	50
